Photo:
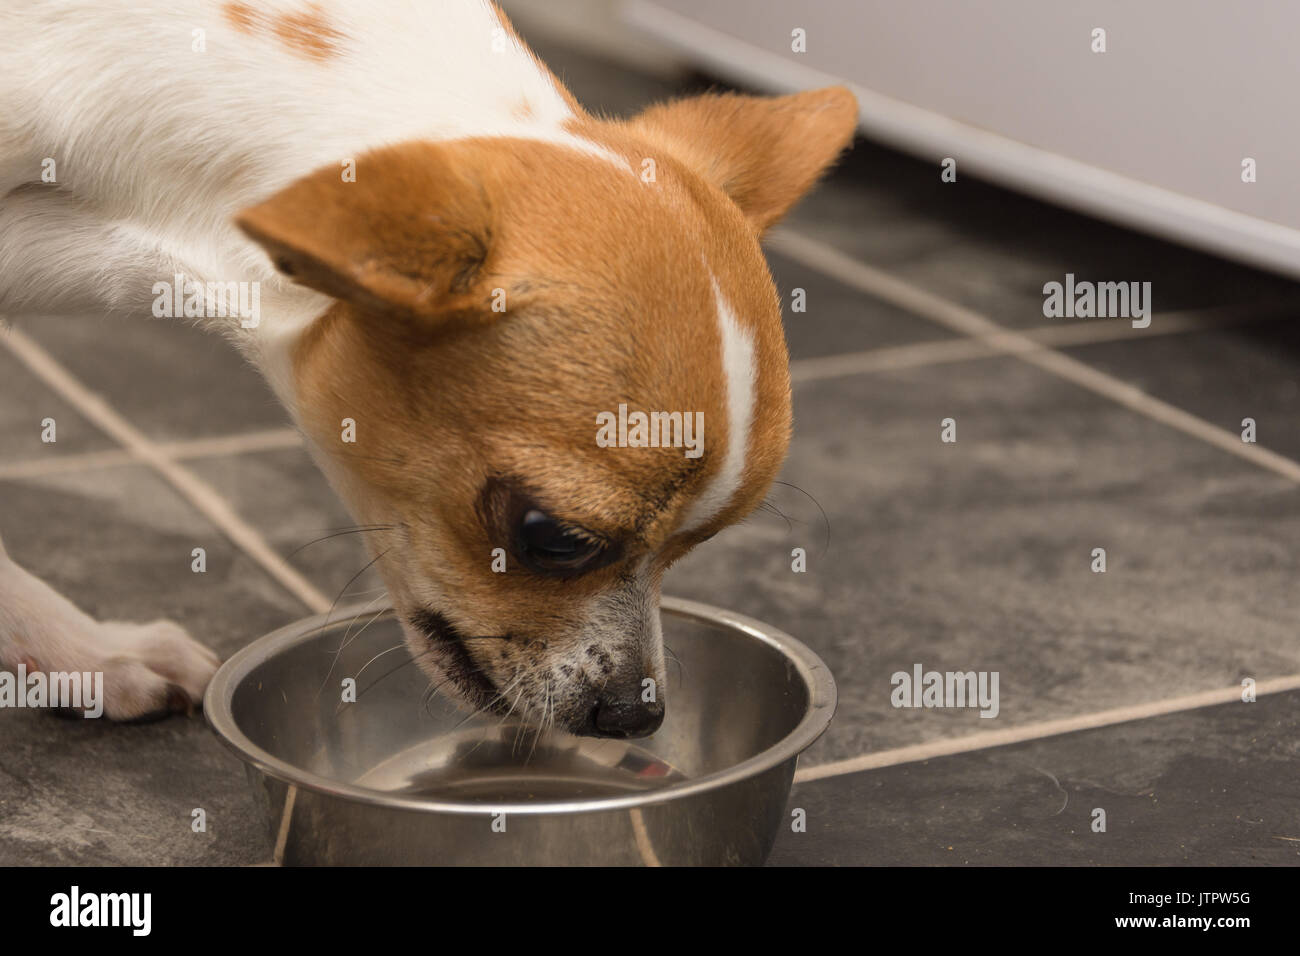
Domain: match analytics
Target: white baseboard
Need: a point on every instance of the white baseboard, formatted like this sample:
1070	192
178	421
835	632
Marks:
1046	175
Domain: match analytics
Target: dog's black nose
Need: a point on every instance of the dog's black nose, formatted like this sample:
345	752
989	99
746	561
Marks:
625	717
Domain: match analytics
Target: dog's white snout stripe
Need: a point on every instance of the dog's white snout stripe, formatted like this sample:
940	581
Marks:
738	372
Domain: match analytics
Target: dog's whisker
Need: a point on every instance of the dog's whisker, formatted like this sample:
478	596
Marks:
681	668
388	673
501	695
343	644
825	519
330	612
357	677
368	565
374	617
506	717
541	724
432	692
771	508
547	705
523	726
518	698
395	647
338	533
517	677
356	617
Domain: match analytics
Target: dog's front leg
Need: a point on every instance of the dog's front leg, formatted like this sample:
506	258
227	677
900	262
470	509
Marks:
147	669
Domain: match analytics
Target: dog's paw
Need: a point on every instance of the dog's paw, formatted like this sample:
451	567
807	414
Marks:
152	670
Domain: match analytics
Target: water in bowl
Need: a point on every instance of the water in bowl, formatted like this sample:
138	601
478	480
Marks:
507	765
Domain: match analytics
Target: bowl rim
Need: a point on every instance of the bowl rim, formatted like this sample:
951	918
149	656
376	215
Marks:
822	699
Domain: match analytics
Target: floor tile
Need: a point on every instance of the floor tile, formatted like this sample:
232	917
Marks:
118	544
284	495
25	402
971	556
838	319
167	378
1222	376
977	555
89	792
1209	787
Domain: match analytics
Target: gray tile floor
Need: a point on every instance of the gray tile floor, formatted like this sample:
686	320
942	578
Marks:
967	556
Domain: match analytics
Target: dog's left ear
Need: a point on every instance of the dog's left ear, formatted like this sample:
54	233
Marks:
764	152
409	235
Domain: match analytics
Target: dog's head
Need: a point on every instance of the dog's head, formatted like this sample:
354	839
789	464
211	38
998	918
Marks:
552	369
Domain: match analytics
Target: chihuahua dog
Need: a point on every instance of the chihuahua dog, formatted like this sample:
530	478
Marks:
463	278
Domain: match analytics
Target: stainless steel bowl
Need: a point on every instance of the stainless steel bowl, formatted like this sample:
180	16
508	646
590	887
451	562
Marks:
395	778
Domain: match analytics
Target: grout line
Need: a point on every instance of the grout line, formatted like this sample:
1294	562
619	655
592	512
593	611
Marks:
64	464
286	816
644	846
1171	323
1039	730
922	354
890	358
830	261
268	439
236	444
198	492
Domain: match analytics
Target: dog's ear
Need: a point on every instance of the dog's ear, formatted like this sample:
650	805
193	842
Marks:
764	152
410	233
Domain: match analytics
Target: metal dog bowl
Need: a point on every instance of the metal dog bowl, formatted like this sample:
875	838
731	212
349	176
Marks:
394	778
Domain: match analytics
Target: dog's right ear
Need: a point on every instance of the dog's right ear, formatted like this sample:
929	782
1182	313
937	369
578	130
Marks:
764	152
410	234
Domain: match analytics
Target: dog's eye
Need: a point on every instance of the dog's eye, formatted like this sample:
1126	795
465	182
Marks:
547	545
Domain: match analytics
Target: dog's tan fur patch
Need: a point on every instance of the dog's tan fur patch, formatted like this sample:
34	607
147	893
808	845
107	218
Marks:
306	32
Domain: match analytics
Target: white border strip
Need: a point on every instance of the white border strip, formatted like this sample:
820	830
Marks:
1018	165
1036	731
194	489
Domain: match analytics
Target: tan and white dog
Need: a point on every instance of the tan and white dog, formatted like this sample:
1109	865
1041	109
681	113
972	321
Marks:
453	254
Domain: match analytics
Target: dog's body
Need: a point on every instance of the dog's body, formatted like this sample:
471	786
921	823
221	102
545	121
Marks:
158	146
480	270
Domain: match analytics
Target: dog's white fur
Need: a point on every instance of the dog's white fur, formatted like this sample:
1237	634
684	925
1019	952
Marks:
156	146
738	373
